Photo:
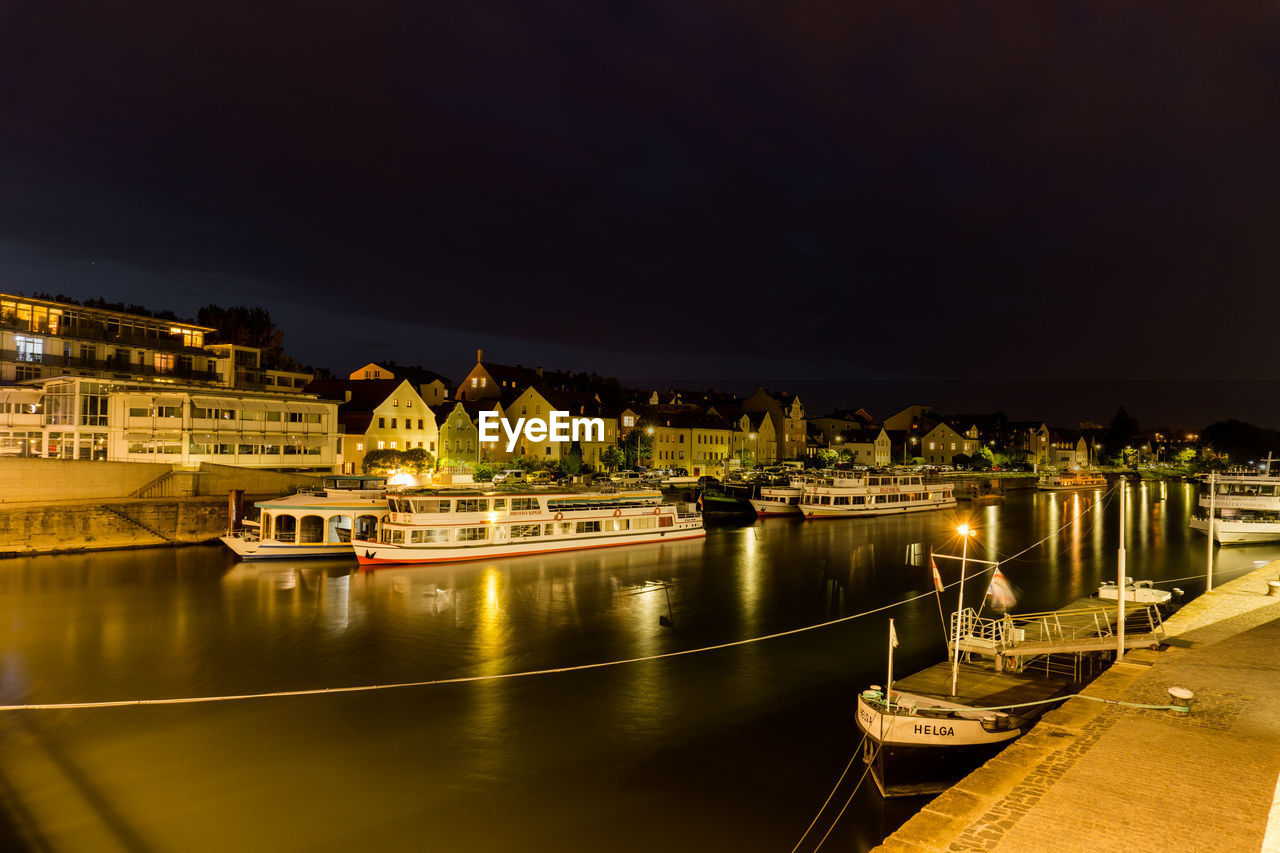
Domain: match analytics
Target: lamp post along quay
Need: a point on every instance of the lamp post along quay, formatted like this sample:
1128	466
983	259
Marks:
966	531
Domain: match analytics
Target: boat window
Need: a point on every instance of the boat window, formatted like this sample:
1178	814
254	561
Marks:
523	504
525	531
339	528
588	527
286	528
548	529
666	521
311	529
646	522
499	504
473	505
366	527
472	534
420	537
397	537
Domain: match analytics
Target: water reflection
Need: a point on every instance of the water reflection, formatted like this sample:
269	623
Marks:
560	756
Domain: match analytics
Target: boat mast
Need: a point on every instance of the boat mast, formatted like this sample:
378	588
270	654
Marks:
1208	578
1120	579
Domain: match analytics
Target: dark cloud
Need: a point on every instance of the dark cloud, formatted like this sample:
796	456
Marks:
1070	191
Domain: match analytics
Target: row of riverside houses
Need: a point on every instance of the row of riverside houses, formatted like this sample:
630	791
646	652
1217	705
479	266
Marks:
80	382
918	433
387	407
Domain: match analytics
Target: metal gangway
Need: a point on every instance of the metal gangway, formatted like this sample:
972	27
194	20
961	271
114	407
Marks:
1085	626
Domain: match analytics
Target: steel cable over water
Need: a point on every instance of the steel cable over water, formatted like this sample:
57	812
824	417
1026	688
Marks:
468	679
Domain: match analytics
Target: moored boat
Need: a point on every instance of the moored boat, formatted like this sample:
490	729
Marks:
1245	503
859	493
1066	480
309	524
446	526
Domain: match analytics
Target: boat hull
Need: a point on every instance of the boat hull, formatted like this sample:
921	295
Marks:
912	755
258	550
1226	532
375	553
764	508
818	512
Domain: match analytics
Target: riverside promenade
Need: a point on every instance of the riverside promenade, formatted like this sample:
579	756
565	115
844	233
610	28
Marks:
1093	776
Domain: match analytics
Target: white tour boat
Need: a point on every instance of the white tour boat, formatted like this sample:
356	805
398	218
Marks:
857	493
442	526
313	523
1246	506
1066	480
777	500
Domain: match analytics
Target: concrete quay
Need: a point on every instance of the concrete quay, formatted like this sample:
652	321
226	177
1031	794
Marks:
1092	776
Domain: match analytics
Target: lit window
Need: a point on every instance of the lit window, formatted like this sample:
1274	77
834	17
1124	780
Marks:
474	382
482	381
382	445
395	403
359	445
628	420
393	445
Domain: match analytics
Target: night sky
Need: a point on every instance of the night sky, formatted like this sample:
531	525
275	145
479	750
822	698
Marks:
1047	208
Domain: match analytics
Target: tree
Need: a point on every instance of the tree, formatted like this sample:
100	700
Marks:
381	462
571	462
1123	431
746	458
417	460
960	460
249	327
983	459
611	458
826	458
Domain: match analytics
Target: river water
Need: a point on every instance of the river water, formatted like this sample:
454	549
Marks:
734	748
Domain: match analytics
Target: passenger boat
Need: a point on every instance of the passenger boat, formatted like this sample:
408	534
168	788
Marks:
444	526
857	493
1067	480
1246	506
777	500
318	523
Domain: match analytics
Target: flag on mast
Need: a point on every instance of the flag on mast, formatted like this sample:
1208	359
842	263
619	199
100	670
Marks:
1001	592
937	578
893	636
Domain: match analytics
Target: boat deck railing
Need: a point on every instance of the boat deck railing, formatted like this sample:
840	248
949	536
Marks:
1070	630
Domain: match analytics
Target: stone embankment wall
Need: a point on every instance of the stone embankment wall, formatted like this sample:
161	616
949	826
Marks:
50	505
42	528
23	480
70	479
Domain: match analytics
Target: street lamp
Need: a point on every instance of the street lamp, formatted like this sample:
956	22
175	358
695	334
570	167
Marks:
966	531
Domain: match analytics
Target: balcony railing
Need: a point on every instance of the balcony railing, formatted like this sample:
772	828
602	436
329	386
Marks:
96	333
110	364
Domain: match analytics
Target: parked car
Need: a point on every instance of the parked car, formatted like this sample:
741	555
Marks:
541	478
626	477
514	475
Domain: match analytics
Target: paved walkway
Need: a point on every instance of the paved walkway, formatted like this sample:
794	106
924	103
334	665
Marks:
1100	777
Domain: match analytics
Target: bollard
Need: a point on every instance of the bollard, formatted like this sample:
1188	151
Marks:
1273	587
1181	696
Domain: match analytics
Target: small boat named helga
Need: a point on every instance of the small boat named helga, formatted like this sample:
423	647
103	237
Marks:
443	526
317	523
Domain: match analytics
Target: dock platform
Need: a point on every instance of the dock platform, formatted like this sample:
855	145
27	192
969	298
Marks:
1098	776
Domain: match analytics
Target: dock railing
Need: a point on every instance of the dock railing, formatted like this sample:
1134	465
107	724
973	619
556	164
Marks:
1073	629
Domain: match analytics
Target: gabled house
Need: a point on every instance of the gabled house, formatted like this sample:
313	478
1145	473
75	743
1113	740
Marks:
787	413
378	414
944	442
489	379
